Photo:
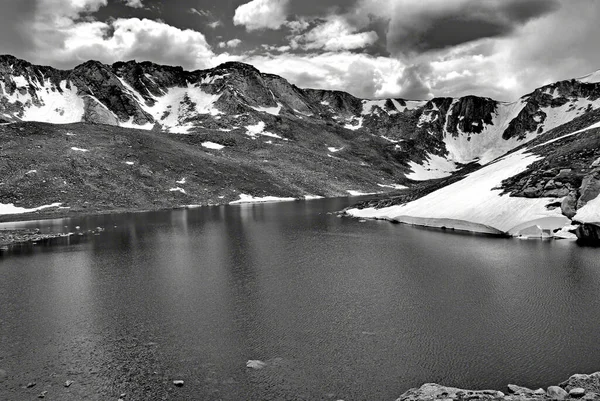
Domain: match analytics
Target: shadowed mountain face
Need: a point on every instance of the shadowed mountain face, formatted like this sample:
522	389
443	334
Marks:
300	141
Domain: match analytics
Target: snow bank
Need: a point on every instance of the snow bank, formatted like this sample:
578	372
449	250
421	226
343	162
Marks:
353	127
10	208
590	212
212	145
259	129
359	193
393	186
474	199
434	167
251	199
270	110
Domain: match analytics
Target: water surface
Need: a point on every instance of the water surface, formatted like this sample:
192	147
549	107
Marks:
336	308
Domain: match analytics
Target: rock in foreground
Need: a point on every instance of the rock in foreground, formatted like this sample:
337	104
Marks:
580	386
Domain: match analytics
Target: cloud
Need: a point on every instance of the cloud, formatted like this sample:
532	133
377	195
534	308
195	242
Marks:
134	3
360	74
261	14
214	24
202	13
233	43
438	24
333	35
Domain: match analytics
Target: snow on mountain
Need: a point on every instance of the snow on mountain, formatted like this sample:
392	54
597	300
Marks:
432	138
474	199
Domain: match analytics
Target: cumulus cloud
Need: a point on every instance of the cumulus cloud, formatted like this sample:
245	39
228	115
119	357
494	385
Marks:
361	74
61	37
333	35
134	3
233	43
261	14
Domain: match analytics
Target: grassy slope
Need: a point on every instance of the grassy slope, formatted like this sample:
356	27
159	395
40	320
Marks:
99	180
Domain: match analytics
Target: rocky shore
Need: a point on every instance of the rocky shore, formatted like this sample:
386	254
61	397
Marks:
579	386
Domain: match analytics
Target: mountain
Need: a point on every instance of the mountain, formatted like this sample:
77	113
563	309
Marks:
262	136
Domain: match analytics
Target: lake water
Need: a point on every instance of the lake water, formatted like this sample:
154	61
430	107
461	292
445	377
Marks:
335	308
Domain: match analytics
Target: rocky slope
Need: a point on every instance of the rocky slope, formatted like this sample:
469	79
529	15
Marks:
315	142
577	387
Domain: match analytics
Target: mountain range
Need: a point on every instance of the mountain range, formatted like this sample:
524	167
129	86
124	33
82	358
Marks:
137	135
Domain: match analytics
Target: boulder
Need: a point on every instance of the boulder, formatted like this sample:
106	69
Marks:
568	205
590	189
557	393
514	389
577	392
588	233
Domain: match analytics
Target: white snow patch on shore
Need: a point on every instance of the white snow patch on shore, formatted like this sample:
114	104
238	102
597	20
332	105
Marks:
212	145
10	208
359	193
433	167
312	197
79	149
177	189
475	199
130	163
333	150
393	186
244	198
182	181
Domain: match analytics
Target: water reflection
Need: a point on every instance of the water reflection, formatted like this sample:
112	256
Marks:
336	308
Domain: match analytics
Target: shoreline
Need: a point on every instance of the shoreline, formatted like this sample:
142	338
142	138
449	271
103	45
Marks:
578	386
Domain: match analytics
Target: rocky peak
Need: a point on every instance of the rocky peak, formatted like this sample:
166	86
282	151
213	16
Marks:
470	114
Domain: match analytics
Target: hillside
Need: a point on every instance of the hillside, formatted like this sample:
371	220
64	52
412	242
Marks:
159	136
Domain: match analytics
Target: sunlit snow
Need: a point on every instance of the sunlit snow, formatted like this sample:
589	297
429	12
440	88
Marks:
212	145
10	208
244	198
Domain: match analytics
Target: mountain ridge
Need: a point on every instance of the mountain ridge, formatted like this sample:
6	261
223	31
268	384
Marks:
248	116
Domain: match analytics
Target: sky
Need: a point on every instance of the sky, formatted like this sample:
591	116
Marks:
412	49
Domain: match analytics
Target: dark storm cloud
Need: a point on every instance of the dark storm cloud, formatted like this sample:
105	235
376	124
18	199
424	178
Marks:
320	8
431	28
14	16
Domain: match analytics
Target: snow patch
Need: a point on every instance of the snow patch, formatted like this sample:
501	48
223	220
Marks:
590	212
79	149
393	186
352	126
177	189
130	163
182	181
475	199
433	167
259	129
10	208
359	193
244	198
271	110
333	150
212	145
